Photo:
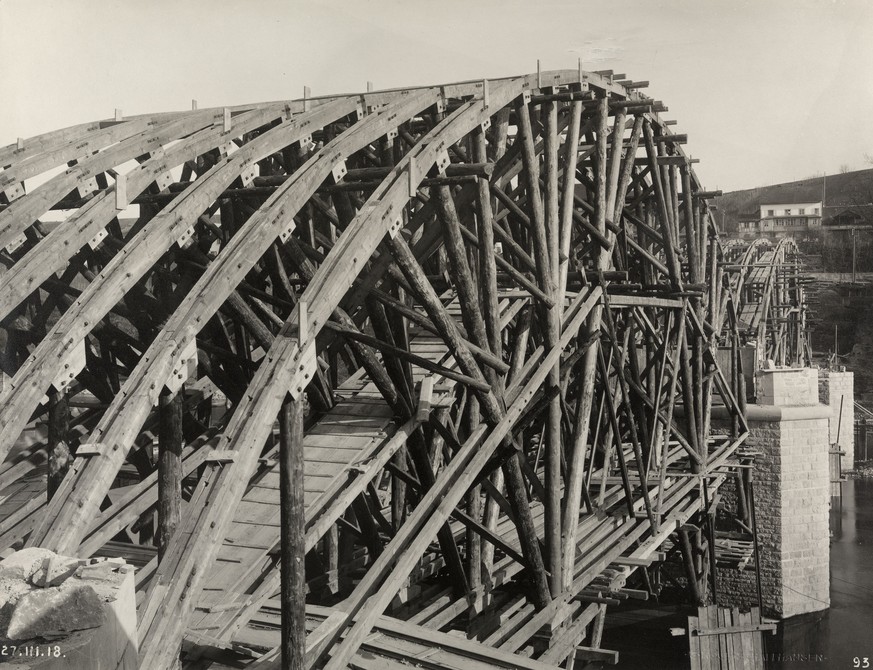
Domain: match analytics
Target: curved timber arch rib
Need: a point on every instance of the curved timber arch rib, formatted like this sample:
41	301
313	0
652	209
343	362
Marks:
495	295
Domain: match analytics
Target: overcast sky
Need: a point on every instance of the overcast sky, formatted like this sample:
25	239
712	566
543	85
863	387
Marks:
768	91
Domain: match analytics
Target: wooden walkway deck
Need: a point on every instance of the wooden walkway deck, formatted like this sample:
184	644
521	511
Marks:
605	561
760	281
331	447
397	644
348	436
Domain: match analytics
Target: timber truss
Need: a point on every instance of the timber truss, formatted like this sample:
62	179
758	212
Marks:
452	349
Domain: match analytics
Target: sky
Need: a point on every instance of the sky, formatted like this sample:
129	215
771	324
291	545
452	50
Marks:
767	90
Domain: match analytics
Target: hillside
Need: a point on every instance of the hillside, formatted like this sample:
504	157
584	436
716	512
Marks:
838	191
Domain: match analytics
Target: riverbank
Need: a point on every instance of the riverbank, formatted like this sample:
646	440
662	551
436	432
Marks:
863	470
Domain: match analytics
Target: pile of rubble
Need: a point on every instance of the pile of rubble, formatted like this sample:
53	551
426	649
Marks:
45	596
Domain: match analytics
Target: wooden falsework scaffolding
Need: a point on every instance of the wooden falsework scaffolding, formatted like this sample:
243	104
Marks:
478	322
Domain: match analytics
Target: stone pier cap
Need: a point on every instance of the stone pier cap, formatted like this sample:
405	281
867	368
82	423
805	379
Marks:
786	386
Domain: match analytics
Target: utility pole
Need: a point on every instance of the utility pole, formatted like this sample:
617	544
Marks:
853	255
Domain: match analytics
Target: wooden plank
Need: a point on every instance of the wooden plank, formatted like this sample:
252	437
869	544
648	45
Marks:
471	651
352	423
588	655
319	482
564	643
354	431
723	647
757	642
361	407
705	642
350	442
736	641
747	642
329	455
714	646
694	651
252	511
269	480
238	554
314	468
723	630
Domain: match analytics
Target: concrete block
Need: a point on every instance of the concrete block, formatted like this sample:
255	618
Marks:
787	387
61	613
25	563
48	613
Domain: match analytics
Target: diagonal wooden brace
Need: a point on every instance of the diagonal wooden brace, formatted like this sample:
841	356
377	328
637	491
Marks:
425	397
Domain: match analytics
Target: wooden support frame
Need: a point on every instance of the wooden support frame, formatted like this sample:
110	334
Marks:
466	281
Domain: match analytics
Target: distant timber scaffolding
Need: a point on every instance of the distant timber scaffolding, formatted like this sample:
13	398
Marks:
451	349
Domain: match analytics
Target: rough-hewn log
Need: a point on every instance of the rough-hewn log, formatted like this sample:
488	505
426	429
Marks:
59	456
170	445
293	591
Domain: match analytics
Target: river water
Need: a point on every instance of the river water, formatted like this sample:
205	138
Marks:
842	636
836	638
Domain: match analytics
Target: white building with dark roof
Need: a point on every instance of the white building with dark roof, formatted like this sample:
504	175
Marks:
776	218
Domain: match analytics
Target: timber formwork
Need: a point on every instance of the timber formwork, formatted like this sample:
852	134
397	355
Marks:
439	361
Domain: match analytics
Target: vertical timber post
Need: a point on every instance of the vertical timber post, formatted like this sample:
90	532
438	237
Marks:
554	445
58	447
291	515
169	468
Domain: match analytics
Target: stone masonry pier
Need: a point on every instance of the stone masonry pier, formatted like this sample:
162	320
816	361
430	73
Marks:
790	430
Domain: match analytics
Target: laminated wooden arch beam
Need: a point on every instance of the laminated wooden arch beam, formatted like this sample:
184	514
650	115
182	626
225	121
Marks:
202	302
52	252
147	139
135	259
